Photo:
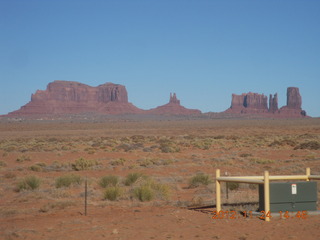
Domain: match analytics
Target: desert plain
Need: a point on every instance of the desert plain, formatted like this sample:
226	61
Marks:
148	178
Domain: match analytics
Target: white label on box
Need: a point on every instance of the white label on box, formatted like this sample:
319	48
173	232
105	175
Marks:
294	188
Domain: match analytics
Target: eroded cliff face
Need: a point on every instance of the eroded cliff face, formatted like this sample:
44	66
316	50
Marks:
273	103
294	103
294	100
249	103
66	97
254	103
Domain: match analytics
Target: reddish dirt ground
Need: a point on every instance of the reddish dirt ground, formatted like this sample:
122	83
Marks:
169	152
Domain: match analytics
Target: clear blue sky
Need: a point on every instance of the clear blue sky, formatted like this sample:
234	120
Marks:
204	50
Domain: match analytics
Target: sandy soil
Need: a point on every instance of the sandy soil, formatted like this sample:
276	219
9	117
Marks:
170	153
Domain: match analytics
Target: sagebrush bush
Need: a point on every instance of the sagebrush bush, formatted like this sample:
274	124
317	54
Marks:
112	193
83	164
108	181
38	167
23	158
67	180
131	178
29	183
150	190
312	145
199	179
144	193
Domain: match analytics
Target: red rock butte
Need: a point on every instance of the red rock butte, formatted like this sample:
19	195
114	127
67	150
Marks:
174	107
66	97
254	103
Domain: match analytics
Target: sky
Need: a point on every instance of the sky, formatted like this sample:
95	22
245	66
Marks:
203	50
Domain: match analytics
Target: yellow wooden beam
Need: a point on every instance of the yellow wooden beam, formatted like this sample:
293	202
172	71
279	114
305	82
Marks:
241	180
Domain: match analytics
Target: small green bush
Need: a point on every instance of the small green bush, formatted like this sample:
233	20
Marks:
132	178
38	167
108	181
23	158
83	164
144	193
150	190
67	180
199	179
29	183
112	193
118	162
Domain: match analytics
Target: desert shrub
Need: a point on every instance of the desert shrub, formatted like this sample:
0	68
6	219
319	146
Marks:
203	144
83	164
233	185
261	161
35	168
29	183
150	190
283	142
312	145
112	193
244	155
38	167
2	164
168	146
144	193
67	180
199	179
161	191
56	205
131	178
219	137
23	158
9	175
108	181
118	162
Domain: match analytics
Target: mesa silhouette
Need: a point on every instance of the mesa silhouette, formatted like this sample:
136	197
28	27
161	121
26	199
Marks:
69	97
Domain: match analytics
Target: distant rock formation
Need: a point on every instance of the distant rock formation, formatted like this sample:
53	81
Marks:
273	103
249	103
66	97
254	103
173	108
294	103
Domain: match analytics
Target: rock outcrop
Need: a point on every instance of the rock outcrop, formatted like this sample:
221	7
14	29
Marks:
249	103
173	108
273	103
294	103
254	103
66	97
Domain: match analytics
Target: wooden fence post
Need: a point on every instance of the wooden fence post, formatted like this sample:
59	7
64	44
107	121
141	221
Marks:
308	173
218	191
266	196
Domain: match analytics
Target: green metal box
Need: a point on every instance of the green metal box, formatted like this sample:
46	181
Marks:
290	196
